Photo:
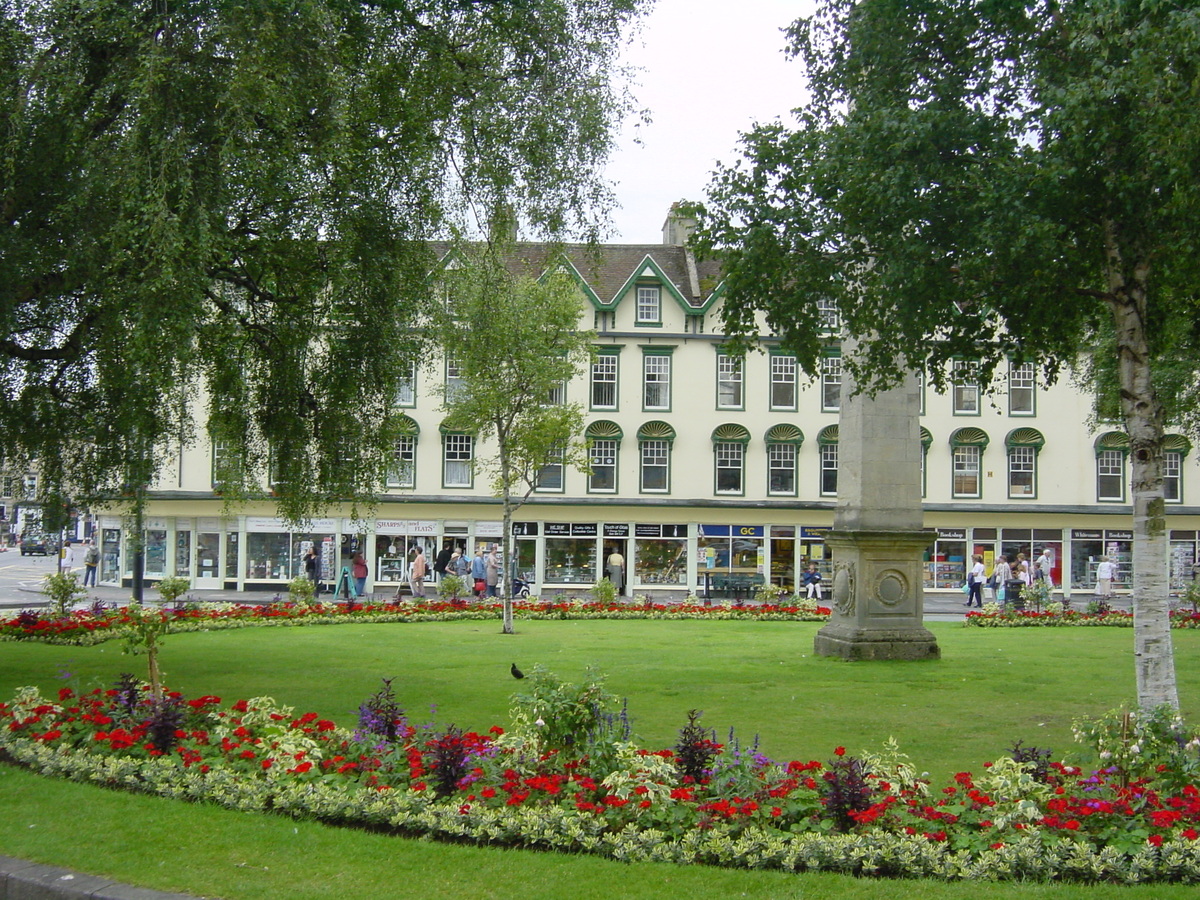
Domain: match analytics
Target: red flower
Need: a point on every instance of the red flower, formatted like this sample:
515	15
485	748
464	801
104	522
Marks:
1155	840
1190	833
839	751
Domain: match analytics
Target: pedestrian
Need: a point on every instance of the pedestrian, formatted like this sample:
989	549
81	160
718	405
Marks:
811	579
91	561
616	570
975	582
359	571
443	558
479	572
1043	567
492	568
312	568
1001	576
1105	572
417	573
459	566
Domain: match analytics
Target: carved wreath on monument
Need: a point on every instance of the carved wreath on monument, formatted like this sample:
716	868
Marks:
843	587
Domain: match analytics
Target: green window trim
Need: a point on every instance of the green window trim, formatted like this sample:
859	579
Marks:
1112	440
1025	437
828	435
656	431
784	433
970	437
730	434
603	429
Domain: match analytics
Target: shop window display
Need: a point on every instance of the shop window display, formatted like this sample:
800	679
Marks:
156	554
570	560
661	561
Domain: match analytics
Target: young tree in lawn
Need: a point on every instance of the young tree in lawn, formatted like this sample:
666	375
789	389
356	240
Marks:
517	342
990	181
230	203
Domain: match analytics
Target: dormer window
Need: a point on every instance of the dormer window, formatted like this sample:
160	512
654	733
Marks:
649	304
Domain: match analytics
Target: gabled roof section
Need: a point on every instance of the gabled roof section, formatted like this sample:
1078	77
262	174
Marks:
648	269
564	264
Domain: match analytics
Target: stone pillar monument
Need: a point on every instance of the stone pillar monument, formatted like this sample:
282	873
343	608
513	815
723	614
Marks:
878	537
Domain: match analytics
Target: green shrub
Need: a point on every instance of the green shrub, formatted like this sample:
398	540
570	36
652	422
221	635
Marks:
604	591
64	591
172	588
300	590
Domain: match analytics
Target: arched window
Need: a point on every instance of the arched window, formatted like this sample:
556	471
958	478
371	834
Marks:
1023	446
654	445
604	445
967	446
827	441
729	458
783	447
1111	449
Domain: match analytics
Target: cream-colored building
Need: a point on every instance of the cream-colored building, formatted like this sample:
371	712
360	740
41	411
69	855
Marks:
710	473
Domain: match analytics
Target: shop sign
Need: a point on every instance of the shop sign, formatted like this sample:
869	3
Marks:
951	534
110	521
558	529
489	529
207	524
182	524
352	526
525	529
1086	534
618	531
402	526
810	532
1118	535
668	531
584	530
734	530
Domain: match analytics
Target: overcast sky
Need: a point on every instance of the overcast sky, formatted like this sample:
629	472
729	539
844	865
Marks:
711	69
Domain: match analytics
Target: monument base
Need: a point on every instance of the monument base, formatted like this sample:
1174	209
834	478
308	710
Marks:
876	643
877	595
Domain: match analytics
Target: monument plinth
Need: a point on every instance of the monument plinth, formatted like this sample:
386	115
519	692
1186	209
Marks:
878	537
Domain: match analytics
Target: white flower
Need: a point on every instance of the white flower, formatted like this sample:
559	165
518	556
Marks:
539	723
1134	748
1106	754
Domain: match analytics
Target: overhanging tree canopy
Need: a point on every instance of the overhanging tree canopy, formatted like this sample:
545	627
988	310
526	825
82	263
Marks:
242	191
989	180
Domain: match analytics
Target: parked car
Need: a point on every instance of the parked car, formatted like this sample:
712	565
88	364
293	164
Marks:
42	544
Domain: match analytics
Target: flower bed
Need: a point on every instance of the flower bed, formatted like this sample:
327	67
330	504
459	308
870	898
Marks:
101	624
995	616
1023	818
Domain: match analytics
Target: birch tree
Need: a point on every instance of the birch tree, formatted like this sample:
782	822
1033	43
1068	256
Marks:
515	337
991	181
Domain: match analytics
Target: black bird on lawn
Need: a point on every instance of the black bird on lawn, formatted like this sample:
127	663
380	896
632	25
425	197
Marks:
516	673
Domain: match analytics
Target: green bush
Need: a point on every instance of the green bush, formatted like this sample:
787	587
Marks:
64	591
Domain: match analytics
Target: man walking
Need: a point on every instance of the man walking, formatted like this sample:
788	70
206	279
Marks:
91	560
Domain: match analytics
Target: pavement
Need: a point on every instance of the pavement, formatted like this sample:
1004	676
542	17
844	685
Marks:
21	588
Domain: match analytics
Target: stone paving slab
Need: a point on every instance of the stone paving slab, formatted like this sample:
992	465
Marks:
22	880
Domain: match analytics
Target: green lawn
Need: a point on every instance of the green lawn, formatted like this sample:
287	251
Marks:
990	688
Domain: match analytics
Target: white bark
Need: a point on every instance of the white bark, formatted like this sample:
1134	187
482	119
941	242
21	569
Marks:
1154	658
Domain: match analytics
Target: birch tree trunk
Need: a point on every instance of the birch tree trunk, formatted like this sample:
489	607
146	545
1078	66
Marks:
1154	659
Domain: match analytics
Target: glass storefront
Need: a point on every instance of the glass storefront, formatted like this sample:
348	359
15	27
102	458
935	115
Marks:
110	555
946	561
396	543
571	554
660	554
1183	560
1090	546
156	553
183	554
783	557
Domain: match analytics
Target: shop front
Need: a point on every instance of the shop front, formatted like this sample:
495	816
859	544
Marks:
1089	547
732	560
660	555
396	542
